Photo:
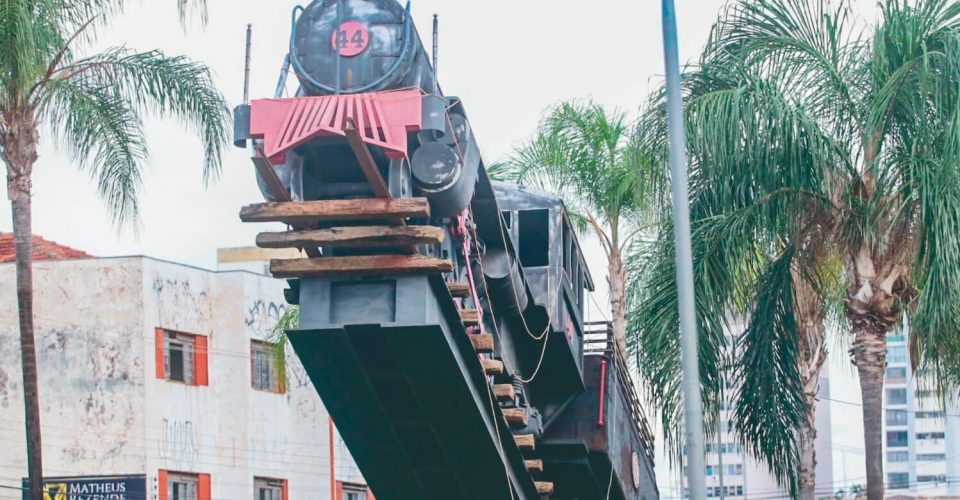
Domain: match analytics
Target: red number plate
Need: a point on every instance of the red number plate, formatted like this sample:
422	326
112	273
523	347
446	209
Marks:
352	38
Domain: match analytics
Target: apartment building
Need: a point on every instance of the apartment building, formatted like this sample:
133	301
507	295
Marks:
921	439
157	381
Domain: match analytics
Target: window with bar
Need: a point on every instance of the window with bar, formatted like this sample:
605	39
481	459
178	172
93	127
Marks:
268	489
264	369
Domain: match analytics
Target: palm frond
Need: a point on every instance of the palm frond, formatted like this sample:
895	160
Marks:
593	160
770	403
190	8
167	86
290	320
105	136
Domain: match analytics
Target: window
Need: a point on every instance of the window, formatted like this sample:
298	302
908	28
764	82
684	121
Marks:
183	486
350	491
709	470
897	354
269	489
898	480
931	457
931	479
929	414
898	456
264	372
897	396
181	357
896	417
897	439
930	435
891	339
735	470
896	375
534	237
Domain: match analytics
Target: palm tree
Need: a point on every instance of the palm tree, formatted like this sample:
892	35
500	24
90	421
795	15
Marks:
93	106
833	152
608	183
760	274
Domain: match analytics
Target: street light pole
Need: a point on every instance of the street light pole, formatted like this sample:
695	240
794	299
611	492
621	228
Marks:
693	406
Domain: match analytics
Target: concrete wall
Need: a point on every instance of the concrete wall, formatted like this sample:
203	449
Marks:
104	410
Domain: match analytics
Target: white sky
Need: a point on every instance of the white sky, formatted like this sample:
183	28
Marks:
508	60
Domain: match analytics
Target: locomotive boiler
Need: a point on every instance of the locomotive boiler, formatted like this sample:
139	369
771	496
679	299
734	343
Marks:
441	313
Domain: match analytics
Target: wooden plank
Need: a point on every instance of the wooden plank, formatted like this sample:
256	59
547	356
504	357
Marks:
515	416
275	187
270	178
482	342
525	441
536	465
459	290
336	210
492	366
365	265
544	488
505	392
470	317
365	159
357	237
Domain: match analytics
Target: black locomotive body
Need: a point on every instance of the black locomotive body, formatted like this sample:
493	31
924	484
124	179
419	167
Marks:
441	314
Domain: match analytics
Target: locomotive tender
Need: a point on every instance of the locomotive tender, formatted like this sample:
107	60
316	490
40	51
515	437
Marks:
441	313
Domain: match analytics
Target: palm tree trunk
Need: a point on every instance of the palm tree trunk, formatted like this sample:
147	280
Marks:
869	354
618	298
19	145
810	315
873	308
808	461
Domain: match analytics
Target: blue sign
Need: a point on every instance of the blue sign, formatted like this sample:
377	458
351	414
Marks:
92	488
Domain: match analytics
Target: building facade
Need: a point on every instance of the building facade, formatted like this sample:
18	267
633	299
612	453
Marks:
162	373
921	439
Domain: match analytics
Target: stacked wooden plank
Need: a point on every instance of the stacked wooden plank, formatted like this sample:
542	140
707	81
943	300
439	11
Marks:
303	215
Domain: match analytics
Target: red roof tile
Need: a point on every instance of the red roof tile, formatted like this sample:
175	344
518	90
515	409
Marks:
42	250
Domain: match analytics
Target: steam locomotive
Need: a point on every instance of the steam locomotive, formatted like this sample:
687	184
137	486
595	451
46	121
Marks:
441	313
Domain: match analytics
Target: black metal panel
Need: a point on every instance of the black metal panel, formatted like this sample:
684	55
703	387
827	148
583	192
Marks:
409	393
606	420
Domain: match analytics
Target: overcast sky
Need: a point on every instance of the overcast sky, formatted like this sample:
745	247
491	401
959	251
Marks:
508	60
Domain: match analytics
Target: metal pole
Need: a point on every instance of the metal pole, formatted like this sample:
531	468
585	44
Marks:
339	45
693	406
436	40
246	67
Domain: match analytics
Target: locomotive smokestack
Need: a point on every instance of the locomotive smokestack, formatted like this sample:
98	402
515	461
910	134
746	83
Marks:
246	67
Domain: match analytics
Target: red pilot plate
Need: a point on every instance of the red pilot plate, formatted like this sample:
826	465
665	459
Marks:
353	38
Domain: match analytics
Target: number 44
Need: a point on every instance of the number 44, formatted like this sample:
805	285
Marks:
343	39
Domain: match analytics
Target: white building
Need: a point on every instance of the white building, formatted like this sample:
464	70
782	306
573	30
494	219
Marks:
158	372
921	441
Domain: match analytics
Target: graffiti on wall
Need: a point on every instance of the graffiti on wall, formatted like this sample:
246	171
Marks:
262	316
178	443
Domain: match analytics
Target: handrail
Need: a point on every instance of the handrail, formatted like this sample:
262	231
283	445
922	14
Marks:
598	341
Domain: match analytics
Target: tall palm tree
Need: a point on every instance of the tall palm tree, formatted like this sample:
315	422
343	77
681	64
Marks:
838	147
761	276
93	105
608	183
